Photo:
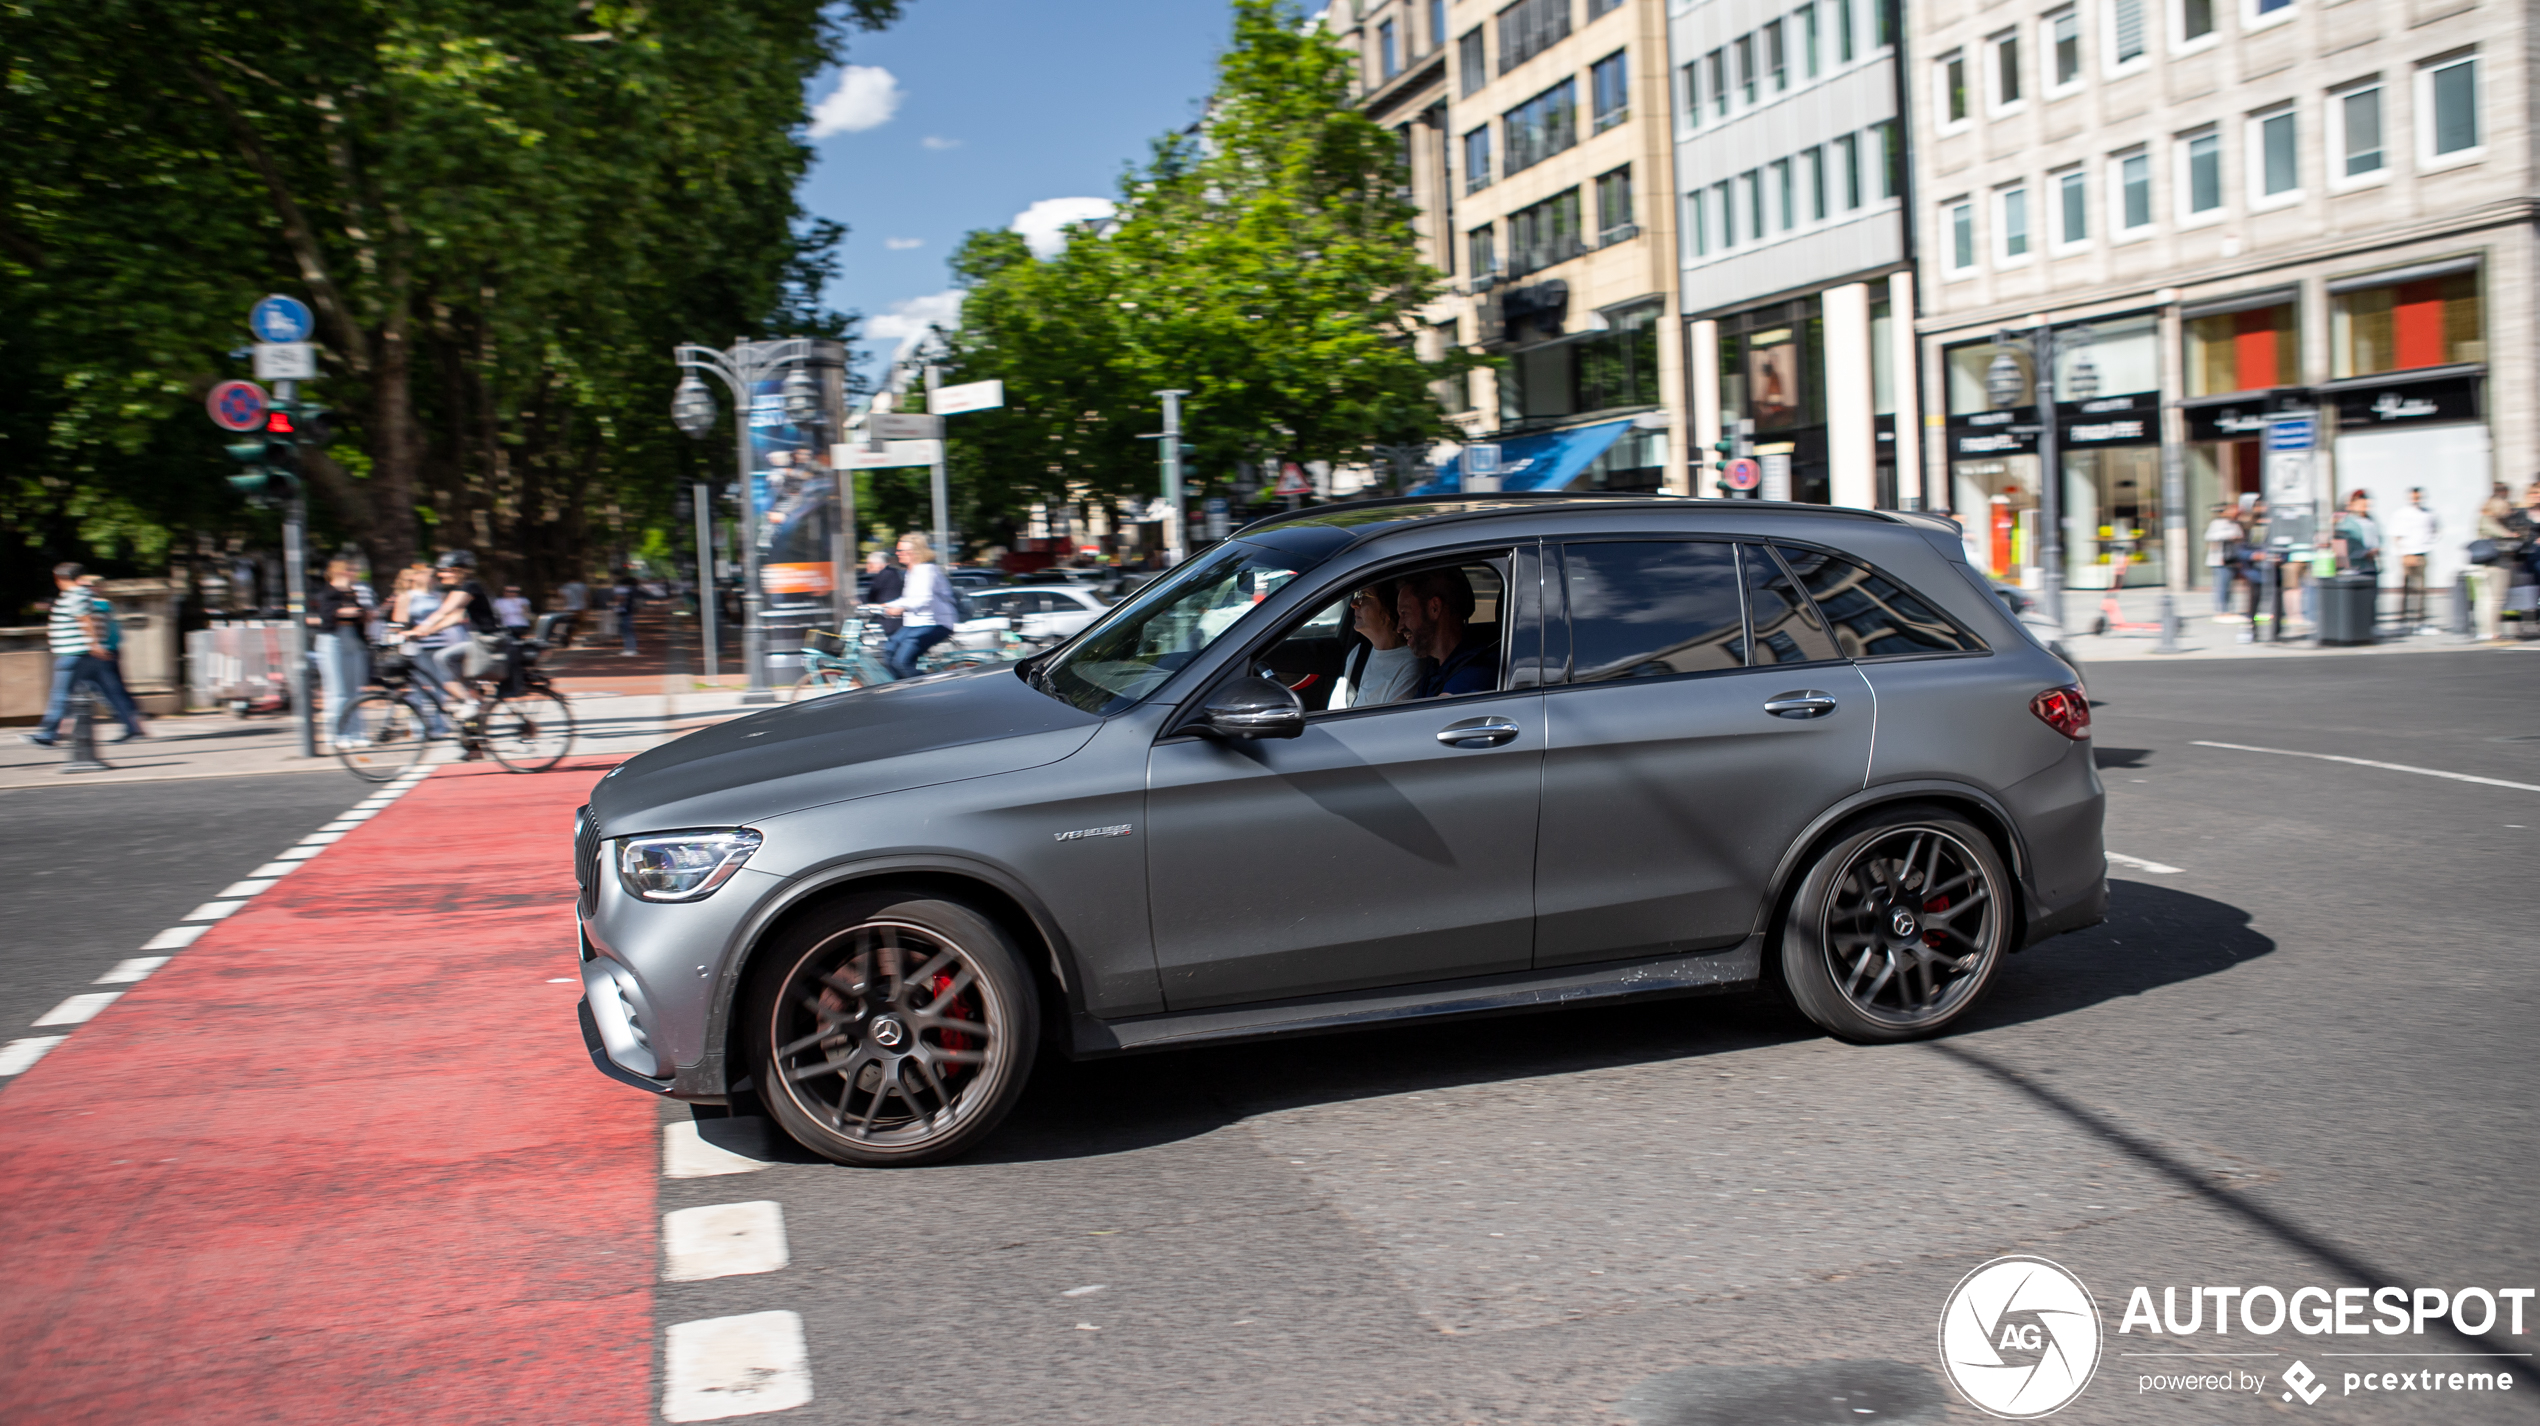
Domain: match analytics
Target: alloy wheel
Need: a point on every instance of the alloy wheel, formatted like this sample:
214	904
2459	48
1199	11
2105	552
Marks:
1912	927
885	1034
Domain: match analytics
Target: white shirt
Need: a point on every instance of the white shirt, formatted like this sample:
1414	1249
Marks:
512	611
927	598
576	595
2412	529
1390	676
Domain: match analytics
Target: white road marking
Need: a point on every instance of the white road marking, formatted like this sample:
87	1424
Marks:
126	972
2139	864
175	938
213	910
320	839
734	1366
1084	1291
19	1056
686	1155
339	826
298	854
247	888
270	870
2385	767
79	1009
722	1240
351	819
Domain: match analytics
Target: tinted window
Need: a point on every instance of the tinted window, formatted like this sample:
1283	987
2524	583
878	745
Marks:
1873	616
1786	627
1648	610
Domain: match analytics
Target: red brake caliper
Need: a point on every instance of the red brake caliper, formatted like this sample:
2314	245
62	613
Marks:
1937	903
953	1039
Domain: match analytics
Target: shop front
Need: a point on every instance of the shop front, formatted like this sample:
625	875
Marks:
2410	401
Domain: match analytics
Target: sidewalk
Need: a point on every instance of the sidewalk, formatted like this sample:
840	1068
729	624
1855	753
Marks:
2200	637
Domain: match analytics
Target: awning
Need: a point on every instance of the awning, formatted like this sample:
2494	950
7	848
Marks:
1546	462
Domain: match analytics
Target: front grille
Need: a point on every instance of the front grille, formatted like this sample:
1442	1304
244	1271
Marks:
586	859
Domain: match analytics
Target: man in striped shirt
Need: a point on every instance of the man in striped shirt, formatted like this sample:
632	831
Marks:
83	652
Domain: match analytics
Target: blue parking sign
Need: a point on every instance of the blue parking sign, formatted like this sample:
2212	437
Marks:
280	319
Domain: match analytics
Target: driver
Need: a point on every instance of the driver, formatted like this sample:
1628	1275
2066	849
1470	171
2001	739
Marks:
1436	606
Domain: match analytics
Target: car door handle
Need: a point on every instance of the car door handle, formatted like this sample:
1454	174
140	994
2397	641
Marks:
1477	733
1806	703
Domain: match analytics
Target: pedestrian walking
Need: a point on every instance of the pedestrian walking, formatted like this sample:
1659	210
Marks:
513	609
2413	530
338	614
2224	541
627	594
924	608
83	639
883	583
574	598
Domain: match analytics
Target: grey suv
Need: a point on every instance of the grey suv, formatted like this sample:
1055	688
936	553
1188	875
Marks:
1357	764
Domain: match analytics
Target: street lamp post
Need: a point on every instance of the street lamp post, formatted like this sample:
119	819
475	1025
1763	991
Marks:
2002	385
742	369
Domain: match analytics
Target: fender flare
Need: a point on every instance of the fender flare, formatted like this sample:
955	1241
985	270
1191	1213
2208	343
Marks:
1794	857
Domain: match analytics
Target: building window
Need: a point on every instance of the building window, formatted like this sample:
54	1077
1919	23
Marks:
1724	198
2355	144
1716	64
1544	233
2274	160
1614	207
2072	202
1953	89
1847	164
1777	56
1815	162
1746	68
1808	39
2204	181
2242	351
1388	56
1882	23
1697	224
1754	205
2430	322
1472	69
1541	127
1891	158
2063	35
1785	191
1609	89
1437	24
2014	206
2131	175
1481	247
1843	31
1530	27
2269	10
1960	218
2195	20
1692	73
1598	8
2449	95
1477	174
2125	32
2006	69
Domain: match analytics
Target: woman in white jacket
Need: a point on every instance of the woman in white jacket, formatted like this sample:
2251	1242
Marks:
925	608
1384	669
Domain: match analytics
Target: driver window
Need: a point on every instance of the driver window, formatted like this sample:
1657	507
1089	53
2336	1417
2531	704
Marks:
1380	641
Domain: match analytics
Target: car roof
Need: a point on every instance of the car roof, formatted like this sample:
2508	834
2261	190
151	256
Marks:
1331	528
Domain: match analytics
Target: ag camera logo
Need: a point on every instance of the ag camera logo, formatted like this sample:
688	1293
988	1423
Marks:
2019	1338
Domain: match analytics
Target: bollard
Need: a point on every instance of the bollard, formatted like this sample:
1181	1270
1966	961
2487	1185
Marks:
2462	597
84	733
2169	625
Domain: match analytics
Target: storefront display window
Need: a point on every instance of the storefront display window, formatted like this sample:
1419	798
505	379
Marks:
2242	351
2434	321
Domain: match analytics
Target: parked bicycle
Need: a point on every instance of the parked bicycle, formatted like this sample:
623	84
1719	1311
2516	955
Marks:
521	720
852	657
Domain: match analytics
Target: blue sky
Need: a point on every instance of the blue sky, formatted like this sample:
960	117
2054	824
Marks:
969	112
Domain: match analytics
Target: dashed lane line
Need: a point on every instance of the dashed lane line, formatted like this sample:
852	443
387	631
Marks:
687	1154
2139	864
723	1367
20	1055
723	1240
2367	762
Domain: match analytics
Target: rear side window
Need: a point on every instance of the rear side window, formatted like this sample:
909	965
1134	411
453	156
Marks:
1651	609
1787	629
1874	616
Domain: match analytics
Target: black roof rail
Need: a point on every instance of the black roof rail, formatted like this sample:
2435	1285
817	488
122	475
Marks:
1636	497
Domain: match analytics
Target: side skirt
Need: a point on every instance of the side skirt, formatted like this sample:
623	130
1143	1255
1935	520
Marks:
1707	972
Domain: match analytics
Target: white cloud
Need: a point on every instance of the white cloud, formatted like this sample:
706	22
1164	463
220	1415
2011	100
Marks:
907	322
901	245
938	141
1043	225
866	97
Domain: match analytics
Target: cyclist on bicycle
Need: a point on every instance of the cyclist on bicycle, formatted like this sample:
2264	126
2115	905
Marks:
462	598
924	608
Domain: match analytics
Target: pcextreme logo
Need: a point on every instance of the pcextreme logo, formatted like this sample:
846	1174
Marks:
2019	1338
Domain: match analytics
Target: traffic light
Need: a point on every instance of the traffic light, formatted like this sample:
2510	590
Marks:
272	460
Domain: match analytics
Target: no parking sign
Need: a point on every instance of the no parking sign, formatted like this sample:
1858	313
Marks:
1745	473
236	405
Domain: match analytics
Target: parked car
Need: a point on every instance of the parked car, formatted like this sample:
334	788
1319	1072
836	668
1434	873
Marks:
1037	612
1667	747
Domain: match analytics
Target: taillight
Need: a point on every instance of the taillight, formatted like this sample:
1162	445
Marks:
2066	710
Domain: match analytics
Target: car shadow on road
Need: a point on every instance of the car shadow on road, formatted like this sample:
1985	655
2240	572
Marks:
2155	936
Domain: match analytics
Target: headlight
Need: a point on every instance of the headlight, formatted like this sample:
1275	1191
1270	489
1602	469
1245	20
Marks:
684	866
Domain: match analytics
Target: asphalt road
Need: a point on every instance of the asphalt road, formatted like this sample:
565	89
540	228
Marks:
96	870
2303	1057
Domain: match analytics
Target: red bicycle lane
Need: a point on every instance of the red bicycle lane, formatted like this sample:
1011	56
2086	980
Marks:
345	1157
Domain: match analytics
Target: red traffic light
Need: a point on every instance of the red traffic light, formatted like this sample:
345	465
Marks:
279	422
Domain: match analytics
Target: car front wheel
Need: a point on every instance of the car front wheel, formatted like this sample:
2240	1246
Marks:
1898	926
894	1029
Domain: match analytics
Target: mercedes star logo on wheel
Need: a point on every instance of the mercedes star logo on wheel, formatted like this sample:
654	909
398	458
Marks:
887	1034
1903	922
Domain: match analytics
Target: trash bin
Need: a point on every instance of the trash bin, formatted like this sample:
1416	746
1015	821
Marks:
2348	607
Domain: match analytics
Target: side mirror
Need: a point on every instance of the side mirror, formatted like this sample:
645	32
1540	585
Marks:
1253	707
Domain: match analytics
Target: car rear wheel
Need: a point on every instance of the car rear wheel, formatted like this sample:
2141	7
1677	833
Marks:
1898	926
894	1029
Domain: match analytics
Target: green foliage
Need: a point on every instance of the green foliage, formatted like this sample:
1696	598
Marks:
1266	264
504	212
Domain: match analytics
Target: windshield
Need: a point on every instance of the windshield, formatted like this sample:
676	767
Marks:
1148	636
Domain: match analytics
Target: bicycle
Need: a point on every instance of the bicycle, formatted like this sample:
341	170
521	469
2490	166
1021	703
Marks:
852	657
521	720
